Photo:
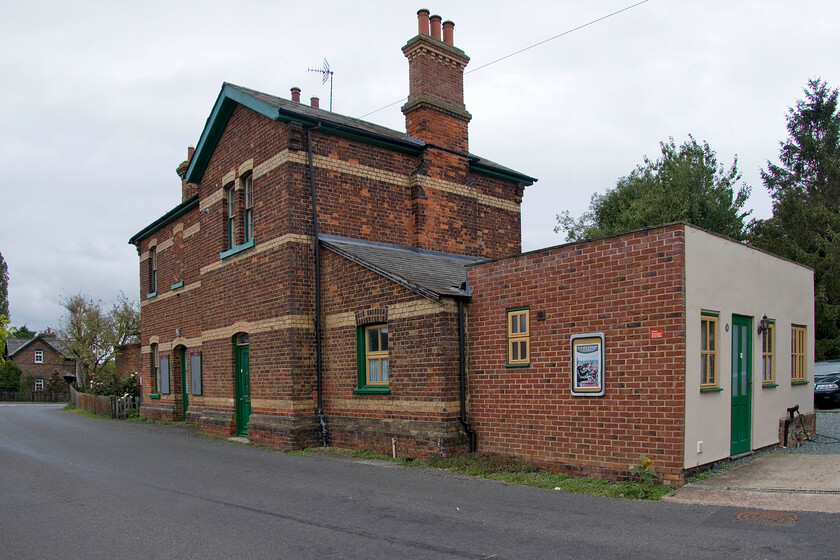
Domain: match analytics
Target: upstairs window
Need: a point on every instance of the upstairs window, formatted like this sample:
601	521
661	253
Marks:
39	357
230	195
708	351
153	270
249	208
519	337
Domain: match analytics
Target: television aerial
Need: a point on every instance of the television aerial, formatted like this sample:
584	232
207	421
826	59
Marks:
327	75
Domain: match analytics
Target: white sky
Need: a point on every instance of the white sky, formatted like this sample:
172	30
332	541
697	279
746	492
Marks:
100	99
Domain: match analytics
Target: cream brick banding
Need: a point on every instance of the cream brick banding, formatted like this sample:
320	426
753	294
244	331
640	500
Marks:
435	407
166	295
259	248
395	311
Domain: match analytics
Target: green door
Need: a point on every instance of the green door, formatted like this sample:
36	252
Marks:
741	384
185	399
243	386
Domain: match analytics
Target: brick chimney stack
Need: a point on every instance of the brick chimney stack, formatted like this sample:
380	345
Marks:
435	110
187	189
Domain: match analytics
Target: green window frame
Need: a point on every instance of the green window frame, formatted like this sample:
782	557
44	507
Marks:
152	272
249	208
709	369
768	354
797	354
230	199
519	336
372	359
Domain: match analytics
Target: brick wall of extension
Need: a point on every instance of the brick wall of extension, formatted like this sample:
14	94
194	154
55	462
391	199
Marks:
421	411
621	286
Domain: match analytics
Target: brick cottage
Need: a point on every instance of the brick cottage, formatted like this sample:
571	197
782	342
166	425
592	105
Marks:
326	280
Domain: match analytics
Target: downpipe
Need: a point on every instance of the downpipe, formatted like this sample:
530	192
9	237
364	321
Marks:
462	365
319	411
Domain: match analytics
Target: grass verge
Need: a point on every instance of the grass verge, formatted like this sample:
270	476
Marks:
517	471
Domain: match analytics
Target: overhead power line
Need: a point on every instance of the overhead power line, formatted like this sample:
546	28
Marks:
563	34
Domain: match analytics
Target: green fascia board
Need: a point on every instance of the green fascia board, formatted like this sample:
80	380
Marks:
229	96
215	125
173	214
499	174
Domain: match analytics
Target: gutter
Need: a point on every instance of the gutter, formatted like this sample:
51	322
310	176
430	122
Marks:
319	411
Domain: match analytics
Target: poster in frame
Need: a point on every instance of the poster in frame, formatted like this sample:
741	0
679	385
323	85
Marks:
587	364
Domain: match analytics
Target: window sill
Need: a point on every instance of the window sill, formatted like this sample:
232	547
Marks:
238	249
150	295
711	389
372	390
154	395
803	382
769	385
518	365
177	285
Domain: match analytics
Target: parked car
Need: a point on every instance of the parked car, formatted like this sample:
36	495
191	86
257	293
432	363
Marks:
827	383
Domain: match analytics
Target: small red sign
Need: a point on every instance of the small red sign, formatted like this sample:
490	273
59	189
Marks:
657	333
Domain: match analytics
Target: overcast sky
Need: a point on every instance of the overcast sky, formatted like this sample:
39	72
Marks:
99	101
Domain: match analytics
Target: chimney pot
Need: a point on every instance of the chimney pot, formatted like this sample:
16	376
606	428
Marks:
296	94
190	152
423	22
435	20
315	102
448	32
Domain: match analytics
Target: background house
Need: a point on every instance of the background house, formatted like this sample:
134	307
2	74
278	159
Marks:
42	359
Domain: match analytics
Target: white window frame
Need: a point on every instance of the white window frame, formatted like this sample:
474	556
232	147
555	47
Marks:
39	356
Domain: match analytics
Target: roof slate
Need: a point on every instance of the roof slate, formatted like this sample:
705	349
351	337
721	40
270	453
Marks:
428	273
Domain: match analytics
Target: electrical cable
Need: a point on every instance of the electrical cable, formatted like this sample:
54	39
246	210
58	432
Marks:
567	32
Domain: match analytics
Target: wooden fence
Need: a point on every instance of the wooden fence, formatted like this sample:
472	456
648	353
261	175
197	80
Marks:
37	397
114	407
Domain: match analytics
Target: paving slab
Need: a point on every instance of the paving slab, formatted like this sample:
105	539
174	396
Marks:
776	481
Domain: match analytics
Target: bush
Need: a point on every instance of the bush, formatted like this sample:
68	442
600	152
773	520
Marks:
10	374
107	382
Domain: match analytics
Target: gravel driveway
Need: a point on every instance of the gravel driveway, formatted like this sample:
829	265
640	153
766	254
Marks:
827	439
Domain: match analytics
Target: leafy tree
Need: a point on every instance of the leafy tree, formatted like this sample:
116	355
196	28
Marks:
4	288
10	375
91	333
805	187
684	184
22	332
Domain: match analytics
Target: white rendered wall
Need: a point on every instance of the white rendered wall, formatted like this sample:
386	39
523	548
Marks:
729	278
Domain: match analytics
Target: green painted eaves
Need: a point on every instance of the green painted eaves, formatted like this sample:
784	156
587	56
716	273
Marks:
173	214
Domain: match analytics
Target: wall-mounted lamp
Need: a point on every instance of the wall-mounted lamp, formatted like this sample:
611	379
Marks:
763	325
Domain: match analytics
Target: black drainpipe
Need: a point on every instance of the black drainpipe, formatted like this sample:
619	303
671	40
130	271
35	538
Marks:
318	361
462	365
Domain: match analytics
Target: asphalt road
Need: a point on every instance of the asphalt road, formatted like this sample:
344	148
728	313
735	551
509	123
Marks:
76	487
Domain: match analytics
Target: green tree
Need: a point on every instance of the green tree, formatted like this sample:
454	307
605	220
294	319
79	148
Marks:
4	288
10	376
92	334
22	332
685	184
805	188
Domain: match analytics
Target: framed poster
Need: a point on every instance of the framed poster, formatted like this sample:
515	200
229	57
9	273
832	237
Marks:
588	364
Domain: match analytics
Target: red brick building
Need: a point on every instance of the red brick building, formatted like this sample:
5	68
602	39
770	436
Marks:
251	327
42	359
390	314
